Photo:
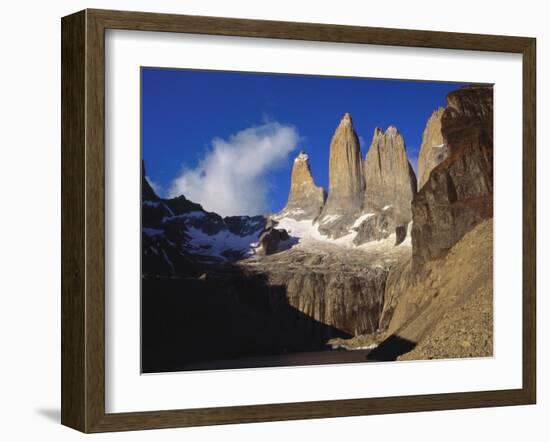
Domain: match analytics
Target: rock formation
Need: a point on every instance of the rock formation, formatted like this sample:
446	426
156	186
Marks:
389	177
266	290
178	235
377	226
345	176
270	240
459	191
333	285
305	199
433	150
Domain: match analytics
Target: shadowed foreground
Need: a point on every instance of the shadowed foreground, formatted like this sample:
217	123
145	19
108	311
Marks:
193	323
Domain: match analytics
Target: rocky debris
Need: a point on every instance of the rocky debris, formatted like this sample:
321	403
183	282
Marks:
345	173
305	199
459	191
389	177
446	309
434	149
270	240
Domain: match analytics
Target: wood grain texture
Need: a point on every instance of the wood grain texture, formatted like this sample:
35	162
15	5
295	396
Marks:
529	220
83	220
73	254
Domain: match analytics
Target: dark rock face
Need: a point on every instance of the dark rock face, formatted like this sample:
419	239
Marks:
147	192
160	257
459	191
305	199
270	240
400	234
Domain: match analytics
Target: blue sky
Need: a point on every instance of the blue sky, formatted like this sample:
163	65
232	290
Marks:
183	111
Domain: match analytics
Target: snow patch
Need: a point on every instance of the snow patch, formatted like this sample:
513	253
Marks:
330	218
308	233
221	242
360	220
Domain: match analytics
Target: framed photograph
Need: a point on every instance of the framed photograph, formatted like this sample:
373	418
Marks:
270	220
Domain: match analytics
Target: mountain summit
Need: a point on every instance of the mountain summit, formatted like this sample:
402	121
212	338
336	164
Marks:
389	177
345	175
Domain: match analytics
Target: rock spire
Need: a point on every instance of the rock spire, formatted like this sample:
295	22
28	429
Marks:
305	199
389	177
345	175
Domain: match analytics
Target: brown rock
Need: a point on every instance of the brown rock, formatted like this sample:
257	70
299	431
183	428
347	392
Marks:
337	286
305	199
389	177
433	150
345	177
459	191
446	310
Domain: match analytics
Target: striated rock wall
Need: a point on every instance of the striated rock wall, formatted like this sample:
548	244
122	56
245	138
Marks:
434	149
459	191
389	177
305	199
334	287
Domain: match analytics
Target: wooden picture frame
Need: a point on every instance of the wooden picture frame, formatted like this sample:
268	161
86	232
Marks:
83	220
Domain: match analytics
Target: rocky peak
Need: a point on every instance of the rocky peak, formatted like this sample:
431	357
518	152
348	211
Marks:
305	199
147	192
389	177
345	177
346	120
392	131
434	149
459	191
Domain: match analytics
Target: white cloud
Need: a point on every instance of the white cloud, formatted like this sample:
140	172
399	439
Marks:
231	178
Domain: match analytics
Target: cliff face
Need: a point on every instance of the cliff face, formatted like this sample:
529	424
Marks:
389	177
334	286
434	149
305	199
345	175
459	192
